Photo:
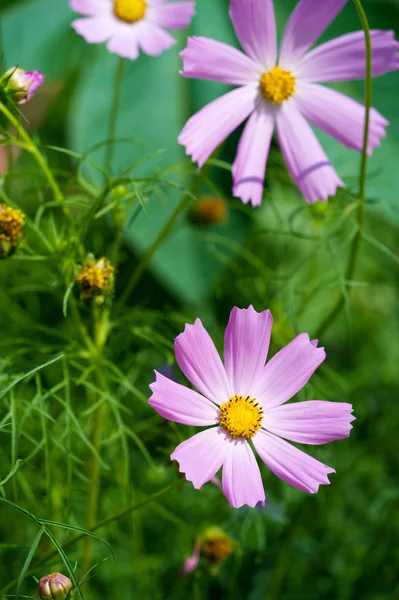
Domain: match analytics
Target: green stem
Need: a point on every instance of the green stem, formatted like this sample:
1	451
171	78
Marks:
33	149
116	517
113	120
354	253
147	256
99	418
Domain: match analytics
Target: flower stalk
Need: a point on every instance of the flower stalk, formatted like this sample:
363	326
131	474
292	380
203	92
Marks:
31	147
355	248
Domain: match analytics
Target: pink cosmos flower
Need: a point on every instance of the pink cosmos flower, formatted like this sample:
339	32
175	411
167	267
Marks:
282	92
130	25
244	400
21	85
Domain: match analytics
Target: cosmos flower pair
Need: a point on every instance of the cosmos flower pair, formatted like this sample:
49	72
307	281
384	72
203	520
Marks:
276	92
242	404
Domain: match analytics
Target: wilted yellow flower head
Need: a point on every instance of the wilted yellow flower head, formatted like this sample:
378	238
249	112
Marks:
95	276
209	210
216	545
11	222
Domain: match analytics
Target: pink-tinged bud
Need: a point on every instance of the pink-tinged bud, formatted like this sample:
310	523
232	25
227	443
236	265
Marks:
191	563
54	586
20	85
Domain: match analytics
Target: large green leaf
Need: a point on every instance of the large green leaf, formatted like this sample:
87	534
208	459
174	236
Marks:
36	35
155	104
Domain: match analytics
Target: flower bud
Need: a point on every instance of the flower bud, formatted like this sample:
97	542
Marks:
11	223
209	210
20	85
54	586
96	278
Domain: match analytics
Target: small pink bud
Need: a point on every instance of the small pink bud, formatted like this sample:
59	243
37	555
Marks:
54	586
20	85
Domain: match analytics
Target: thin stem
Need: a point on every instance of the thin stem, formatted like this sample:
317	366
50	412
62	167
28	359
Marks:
147	256
114	114
33	149
99	419
354	253
116	517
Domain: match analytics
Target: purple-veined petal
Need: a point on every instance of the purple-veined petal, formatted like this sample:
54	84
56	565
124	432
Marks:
305	158
241	478
173	15
180	404
152	39
255	25
344	58
290	464
246	344
91	7
253	149
289	370
209	127
96	29
201	456
313	422
340	116
204	58
200	362
125	43
308	20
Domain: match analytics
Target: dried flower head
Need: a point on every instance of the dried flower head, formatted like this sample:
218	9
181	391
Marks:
214	545
11	222
209	210
95	277
54	586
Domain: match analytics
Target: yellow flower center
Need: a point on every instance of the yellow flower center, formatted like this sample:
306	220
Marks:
94	277
130	11
242	417
11	222
277	85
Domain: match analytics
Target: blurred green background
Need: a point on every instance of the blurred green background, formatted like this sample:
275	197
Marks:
286	256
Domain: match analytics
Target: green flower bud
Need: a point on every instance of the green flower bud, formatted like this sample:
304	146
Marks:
54	586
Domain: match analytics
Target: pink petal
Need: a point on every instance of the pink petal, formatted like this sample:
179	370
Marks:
246	344
191	563
125	43
306	160
180	404
314	422
250	163
208	59
344	58
208	128
90	7
201	456
309	19
200	362
241	478
289	370
255	26
152	39
95	29
176	15
290	464
339	116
